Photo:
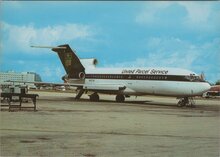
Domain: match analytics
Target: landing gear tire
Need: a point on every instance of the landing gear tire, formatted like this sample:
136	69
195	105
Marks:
120	98
187	102
94	97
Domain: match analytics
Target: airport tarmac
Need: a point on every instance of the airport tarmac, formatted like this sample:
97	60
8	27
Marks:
144	126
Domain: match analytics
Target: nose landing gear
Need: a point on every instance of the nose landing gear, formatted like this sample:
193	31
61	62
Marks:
186	101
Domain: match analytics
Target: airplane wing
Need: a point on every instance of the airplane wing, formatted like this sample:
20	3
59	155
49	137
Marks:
49	83
95	87
110	88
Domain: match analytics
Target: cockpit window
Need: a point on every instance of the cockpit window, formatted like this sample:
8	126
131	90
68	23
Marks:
194	78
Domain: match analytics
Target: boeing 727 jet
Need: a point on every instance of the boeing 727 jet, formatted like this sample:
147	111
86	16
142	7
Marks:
125	82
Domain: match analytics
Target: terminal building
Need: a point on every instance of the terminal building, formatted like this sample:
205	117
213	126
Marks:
21	77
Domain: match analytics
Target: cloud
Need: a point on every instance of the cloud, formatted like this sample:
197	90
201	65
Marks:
179	53
191	38
147	15
21	62
20	38
17	39
52	73
47	72
172	52
201	15
12	4
59	72
197	12
191	15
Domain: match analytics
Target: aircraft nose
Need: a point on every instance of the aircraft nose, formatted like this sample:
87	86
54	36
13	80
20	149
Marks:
201	88
206	87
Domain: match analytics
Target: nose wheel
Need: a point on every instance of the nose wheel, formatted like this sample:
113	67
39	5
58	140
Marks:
188	102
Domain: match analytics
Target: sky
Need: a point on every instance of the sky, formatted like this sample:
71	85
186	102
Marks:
182	34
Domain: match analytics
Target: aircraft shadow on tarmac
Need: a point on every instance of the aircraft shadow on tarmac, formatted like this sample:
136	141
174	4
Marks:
134	102
141	103
151	103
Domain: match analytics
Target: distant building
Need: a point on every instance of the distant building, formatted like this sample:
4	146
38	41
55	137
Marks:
21	77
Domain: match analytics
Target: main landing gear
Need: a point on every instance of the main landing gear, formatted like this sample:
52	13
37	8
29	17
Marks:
94	97
79	94
186	101
120	98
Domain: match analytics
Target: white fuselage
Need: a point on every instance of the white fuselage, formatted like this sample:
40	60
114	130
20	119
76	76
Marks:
144	81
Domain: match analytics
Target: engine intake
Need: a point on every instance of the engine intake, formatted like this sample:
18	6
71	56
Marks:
89	62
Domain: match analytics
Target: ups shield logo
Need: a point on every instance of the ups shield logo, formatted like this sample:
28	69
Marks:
68	59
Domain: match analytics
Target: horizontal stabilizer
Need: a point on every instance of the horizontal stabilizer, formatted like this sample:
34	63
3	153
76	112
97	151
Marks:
48	47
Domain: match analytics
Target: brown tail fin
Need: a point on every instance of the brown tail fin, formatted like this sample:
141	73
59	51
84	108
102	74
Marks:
70	61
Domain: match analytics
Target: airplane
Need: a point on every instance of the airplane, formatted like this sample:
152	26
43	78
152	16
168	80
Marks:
126	82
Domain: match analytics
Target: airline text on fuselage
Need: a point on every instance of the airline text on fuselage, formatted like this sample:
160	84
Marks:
141	71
